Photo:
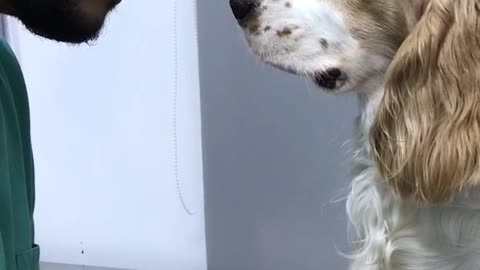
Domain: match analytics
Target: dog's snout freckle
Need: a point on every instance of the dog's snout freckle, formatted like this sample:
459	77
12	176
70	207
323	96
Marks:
324	43
288	5
254	27
284	32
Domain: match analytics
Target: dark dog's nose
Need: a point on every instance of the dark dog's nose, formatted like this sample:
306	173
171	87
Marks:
328	79
242	8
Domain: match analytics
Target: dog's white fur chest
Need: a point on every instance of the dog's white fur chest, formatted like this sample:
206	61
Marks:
389	234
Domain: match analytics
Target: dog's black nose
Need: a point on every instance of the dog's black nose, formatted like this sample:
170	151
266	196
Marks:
328	79
242	8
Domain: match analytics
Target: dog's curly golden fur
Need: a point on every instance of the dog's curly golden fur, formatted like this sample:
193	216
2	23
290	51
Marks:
426	134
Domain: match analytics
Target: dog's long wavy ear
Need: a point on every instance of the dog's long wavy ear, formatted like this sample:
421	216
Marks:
426	135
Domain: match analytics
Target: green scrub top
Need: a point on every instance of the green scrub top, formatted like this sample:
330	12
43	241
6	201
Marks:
17	194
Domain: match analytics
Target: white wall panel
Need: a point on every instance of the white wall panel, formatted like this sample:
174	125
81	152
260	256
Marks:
117	141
